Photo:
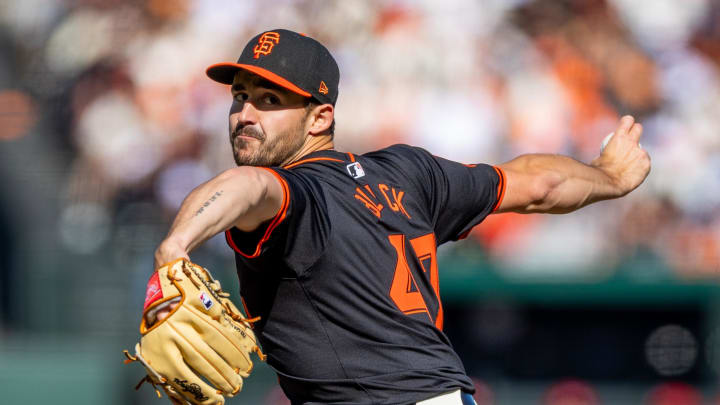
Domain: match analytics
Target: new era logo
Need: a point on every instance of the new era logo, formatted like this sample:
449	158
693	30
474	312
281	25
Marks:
355	170
323	88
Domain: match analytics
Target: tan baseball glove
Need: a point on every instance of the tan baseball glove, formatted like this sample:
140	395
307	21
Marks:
204	336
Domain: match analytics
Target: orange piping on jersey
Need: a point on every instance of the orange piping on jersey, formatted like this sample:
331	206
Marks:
501	187
500	195
279	217
351	156
244	305
242	301
299	162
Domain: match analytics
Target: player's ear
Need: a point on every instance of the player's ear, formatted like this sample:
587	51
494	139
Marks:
321	119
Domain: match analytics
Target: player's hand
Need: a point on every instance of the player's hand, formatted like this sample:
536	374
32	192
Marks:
168	251
200	352
623	160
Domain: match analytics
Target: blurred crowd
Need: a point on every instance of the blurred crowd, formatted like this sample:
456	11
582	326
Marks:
120	88
107	121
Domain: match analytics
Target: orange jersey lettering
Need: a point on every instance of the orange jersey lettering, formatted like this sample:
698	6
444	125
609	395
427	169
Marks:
397	196
374	207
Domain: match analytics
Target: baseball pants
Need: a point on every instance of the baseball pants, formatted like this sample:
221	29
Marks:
451	398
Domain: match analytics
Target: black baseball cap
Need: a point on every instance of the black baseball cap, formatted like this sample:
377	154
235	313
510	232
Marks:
289	59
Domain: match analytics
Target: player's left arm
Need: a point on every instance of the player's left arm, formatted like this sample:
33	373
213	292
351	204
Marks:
558	184
243	197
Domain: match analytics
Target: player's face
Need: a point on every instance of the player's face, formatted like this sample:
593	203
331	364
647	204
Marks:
267	122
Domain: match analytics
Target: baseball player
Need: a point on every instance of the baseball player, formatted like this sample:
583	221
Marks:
336	252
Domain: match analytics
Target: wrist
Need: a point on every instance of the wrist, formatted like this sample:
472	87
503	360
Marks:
610	180
169	249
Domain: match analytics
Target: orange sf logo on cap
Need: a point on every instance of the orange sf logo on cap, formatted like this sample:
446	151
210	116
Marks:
266	43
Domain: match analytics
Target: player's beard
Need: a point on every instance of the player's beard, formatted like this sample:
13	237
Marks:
269	152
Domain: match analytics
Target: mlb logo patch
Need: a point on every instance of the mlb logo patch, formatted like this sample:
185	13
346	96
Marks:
355	170
206	301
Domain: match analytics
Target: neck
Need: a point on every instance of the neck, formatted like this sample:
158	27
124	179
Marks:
312	144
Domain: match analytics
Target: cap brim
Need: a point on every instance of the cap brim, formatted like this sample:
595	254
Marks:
225	73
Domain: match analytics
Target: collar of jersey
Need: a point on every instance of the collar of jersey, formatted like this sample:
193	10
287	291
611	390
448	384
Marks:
326	155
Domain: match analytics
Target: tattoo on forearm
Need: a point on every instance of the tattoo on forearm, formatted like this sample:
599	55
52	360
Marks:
208	202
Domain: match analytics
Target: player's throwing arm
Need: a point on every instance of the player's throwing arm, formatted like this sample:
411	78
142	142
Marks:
559	184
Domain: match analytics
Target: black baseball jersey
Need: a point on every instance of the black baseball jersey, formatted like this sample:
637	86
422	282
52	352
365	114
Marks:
345	276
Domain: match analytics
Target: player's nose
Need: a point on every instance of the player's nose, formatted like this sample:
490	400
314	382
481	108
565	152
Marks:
244	112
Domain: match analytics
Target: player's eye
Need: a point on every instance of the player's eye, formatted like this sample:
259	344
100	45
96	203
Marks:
240	96
270	99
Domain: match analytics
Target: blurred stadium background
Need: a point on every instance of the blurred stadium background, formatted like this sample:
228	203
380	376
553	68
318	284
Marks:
107	120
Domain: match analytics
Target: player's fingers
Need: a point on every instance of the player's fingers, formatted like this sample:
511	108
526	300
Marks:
636	132
201	357
163	312
626	122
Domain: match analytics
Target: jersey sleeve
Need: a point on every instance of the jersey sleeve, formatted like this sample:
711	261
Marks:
458	196
466	195
303	214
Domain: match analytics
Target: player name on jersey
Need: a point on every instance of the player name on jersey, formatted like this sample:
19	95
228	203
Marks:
393	197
